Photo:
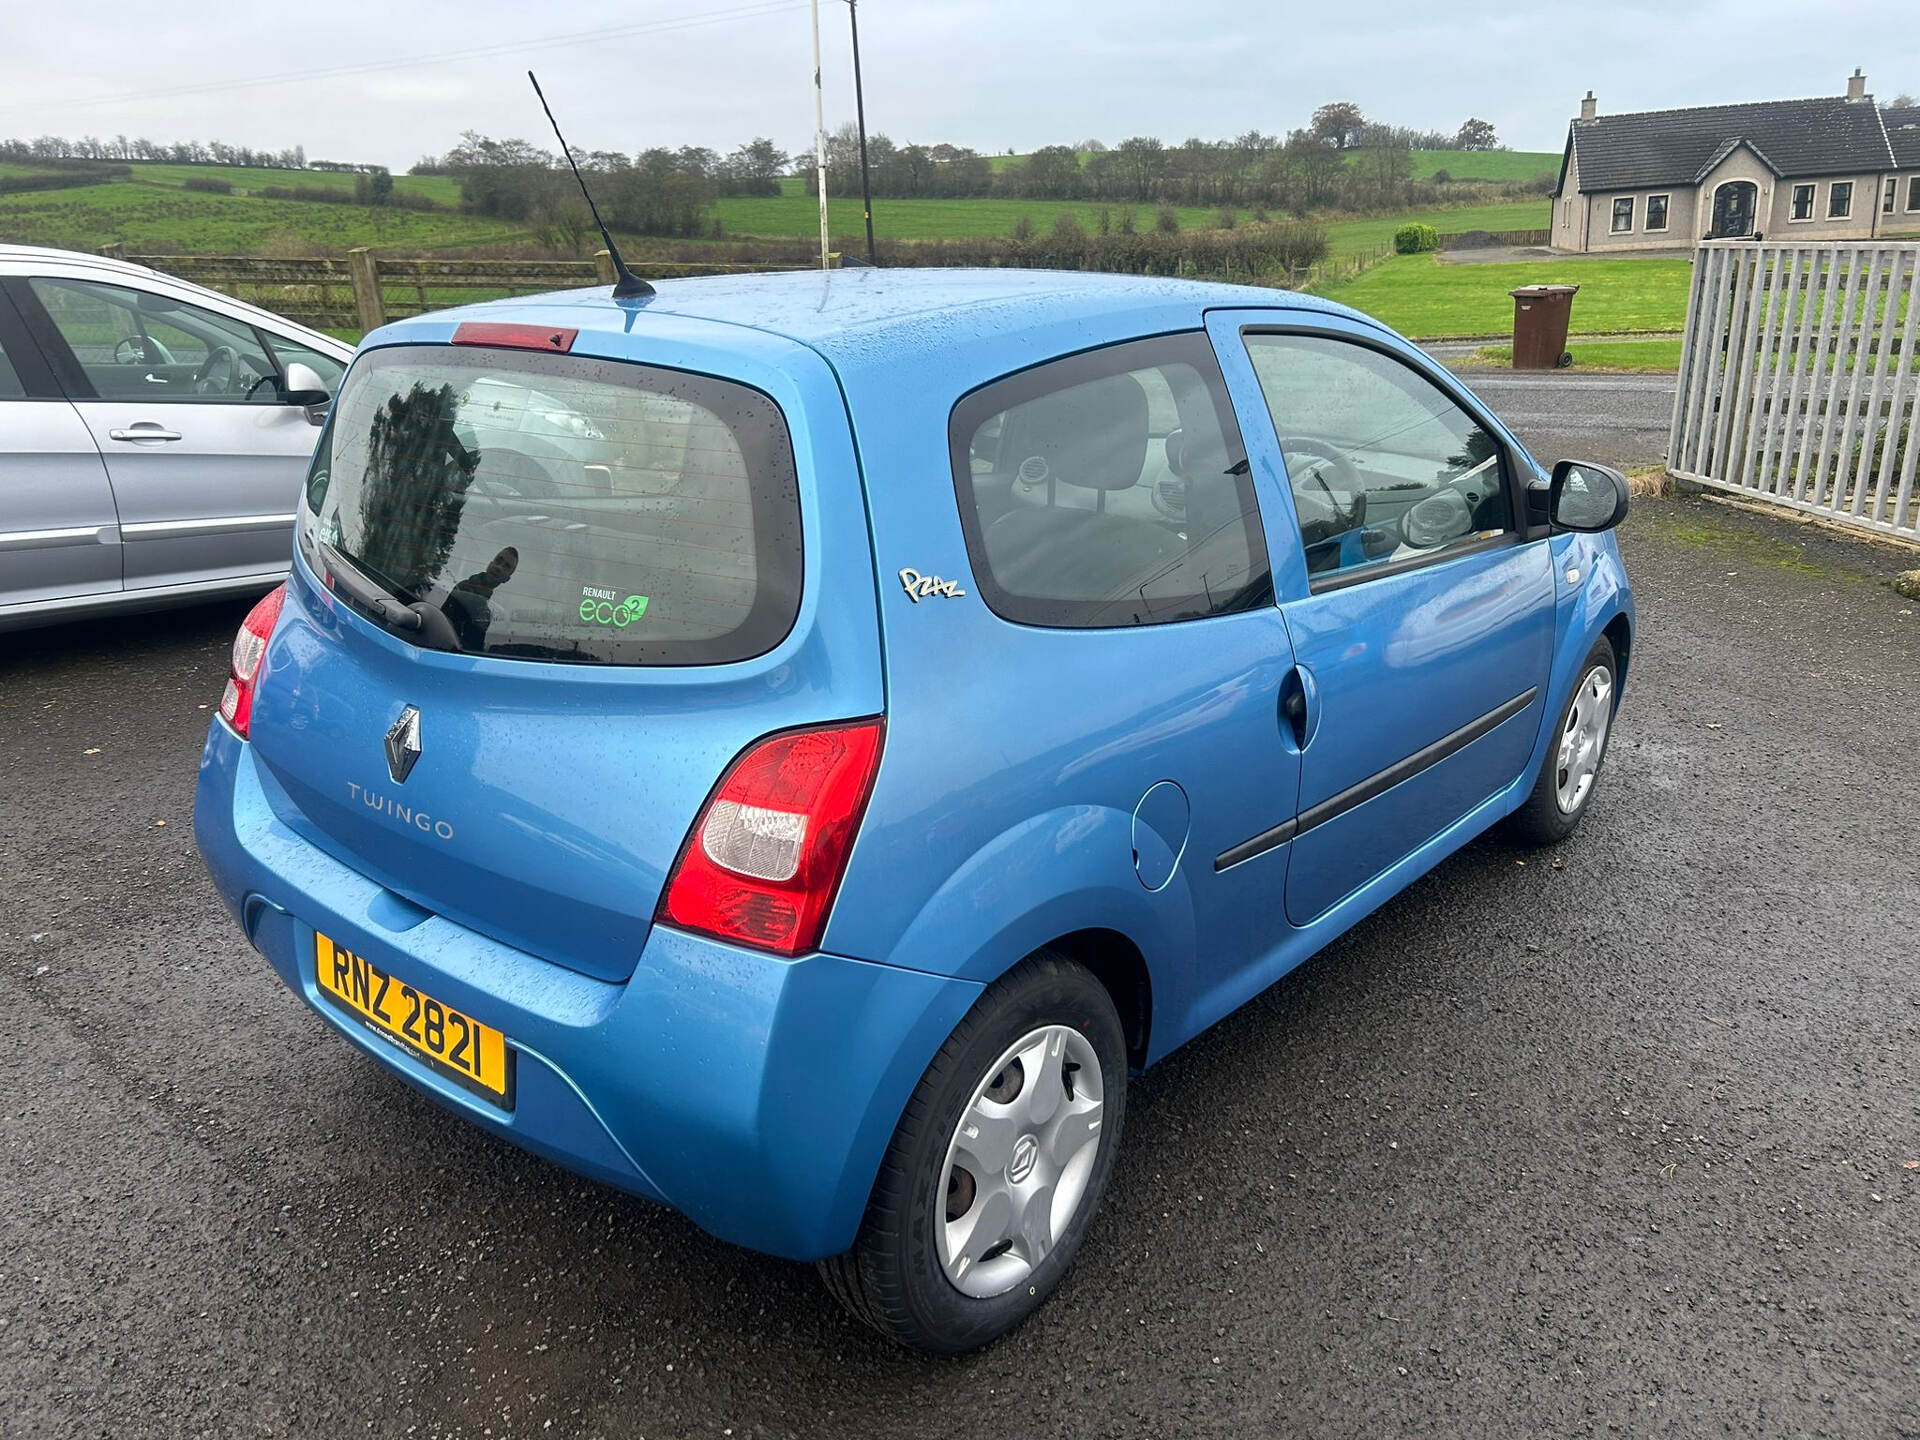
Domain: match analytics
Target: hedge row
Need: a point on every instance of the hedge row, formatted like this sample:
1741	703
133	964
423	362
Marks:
63	179
1247	251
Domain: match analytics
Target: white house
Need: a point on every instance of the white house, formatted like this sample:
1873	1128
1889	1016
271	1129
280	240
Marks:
1838	167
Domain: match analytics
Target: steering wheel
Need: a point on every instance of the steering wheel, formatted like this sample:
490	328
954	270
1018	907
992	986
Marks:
215	377
1333	459
133	350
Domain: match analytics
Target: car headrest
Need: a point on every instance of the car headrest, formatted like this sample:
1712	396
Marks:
1176	447
1093	434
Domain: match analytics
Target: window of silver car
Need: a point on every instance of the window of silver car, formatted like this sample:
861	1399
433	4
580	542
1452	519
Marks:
140	345
11	387
290	352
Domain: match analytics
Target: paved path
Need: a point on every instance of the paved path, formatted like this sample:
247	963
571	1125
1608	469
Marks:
1611	1140
1615	419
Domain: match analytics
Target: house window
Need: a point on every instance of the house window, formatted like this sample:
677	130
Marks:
1913	193
1656	212
1893	190
1803	202
1623	215
1839	199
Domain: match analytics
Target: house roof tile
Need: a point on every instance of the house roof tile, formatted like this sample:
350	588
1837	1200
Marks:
1827	136
1903	133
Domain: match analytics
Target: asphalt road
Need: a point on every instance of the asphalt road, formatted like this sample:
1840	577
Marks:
1608	1140
1619	420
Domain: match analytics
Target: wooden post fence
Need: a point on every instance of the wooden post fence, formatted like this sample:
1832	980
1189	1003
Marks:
368	307
364	291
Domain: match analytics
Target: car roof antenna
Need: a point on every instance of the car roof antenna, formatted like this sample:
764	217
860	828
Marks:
626	284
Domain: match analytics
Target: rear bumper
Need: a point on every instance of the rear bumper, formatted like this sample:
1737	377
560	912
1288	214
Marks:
754	1095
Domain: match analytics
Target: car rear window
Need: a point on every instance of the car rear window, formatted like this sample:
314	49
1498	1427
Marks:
560	507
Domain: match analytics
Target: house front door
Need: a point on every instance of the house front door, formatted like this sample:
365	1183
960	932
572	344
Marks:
1733	205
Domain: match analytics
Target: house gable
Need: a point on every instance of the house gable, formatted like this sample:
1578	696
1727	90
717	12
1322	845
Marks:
1718	160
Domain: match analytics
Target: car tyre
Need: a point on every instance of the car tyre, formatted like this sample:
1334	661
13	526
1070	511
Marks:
1571	771
947	1261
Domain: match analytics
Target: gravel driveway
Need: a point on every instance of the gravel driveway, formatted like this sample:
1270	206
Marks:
1612	1139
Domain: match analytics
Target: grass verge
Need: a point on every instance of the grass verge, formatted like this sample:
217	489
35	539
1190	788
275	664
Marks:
1422	298
1613	357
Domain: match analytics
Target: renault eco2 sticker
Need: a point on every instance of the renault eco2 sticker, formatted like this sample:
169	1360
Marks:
606	607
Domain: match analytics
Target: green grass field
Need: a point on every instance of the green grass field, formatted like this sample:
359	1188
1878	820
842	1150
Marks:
153	211
1461	164
796	213
799	214
1344	237
1421	297
145	216
1486	164
443	188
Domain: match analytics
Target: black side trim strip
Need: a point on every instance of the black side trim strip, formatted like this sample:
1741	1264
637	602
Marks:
1259	845
1355	795
1335	806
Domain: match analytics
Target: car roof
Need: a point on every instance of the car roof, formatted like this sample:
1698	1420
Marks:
39	259
23	257
870	317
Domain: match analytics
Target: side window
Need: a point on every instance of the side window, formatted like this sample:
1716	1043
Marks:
1110	489
288	352
138	345
1384	466
11	387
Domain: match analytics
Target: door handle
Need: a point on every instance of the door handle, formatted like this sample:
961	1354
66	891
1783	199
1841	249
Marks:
143	430
1300	705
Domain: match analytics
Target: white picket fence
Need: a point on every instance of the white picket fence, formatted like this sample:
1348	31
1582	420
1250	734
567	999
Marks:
1798	379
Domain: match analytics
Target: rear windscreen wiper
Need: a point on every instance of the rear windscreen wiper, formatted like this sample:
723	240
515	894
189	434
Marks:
424	623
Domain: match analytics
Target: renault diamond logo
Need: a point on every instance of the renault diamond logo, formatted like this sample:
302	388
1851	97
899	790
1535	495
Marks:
403	745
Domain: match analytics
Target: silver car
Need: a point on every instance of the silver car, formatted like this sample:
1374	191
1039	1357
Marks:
153	437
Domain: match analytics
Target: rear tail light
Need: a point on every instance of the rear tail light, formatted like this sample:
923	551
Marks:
764	860
249	649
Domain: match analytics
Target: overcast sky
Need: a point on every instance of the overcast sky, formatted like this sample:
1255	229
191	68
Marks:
993	74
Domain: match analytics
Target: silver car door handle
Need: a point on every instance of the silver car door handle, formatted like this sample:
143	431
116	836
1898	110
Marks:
143	430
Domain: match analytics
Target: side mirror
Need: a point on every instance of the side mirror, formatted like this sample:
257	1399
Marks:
1586	497
302	385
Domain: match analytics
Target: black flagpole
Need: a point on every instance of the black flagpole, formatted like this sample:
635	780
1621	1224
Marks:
860	110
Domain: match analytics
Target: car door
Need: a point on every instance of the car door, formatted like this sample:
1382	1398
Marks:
59	532
185	404
1421	615
1095	646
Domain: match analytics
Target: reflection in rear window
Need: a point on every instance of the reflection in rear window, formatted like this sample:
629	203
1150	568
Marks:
564	508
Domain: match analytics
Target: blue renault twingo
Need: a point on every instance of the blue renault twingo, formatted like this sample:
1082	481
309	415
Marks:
790	746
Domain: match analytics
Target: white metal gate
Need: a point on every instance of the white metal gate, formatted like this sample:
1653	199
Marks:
1798	383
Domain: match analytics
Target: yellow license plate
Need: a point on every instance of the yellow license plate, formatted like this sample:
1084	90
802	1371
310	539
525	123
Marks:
456	1045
